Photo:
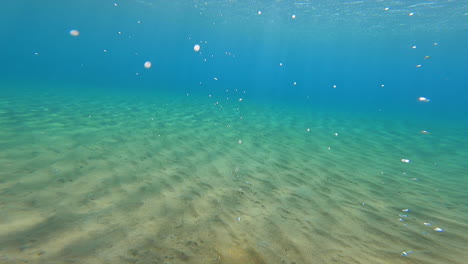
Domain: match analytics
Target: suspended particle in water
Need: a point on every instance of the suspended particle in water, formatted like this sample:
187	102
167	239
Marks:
425	132
215	78
241	99
405	210
334	86
406	253
438	229
105	51
147	64
435	44
387	8
196	48
294	83
280	64
382	85
411	14
308	129
413	47
336	134
293	16
259	12
418	66
427	57
115	4
74	33
405	161
239	141
424	99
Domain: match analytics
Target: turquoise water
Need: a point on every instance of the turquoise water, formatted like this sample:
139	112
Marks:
299	132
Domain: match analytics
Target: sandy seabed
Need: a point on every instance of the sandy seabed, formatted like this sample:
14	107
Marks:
118	179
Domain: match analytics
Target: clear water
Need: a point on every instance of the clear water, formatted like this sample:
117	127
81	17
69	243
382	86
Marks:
300	132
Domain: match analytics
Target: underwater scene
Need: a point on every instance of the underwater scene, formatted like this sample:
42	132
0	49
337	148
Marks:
234	131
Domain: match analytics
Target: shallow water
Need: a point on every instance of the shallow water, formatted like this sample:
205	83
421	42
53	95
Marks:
149	131
163	178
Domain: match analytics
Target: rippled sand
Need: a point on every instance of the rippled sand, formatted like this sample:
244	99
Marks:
161	179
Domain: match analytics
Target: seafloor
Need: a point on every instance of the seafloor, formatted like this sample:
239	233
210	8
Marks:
163	178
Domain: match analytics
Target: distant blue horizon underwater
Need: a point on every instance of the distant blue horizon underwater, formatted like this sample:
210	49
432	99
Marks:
229	101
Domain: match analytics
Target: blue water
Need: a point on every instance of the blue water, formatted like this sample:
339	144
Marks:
358	66
357	46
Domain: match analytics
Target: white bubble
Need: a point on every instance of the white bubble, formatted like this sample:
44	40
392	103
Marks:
196	48
294	83
74	33
334	86
424	99
147	64
293	16
308	129
259	12
281	64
